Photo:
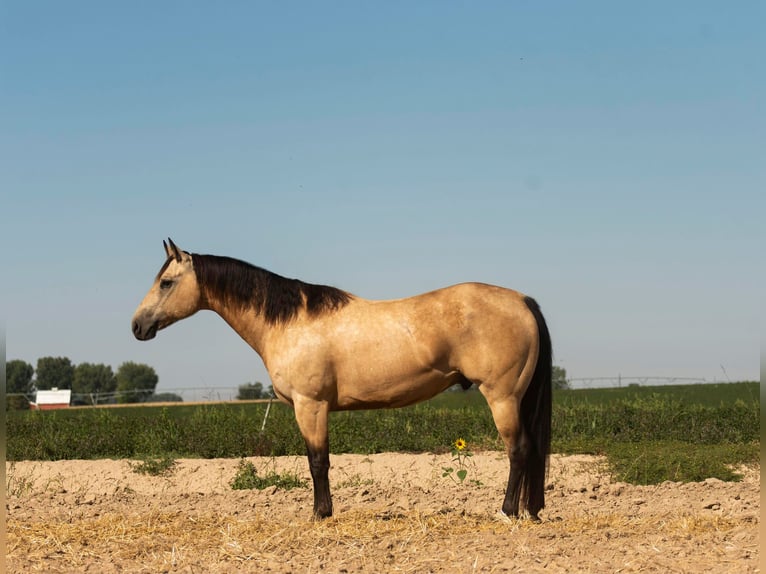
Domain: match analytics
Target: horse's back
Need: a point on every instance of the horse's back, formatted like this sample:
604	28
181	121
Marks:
466	309
456	315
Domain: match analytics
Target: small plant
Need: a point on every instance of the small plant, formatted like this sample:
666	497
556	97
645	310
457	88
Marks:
155	466
247	478
16	485
354	480
460	456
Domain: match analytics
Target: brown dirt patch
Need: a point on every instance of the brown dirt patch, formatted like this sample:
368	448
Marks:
393	513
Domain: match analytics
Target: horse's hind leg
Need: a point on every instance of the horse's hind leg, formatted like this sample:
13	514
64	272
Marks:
312	418
518	455
505	412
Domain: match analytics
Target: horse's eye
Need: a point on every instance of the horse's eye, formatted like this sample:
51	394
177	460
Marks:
165	283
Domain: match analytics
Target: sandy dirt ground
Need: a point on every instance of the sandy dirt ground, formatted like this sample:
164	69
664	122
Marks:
393	513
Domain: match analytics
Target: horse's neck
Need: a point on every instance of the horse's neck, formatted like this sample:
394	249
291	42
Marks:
248	324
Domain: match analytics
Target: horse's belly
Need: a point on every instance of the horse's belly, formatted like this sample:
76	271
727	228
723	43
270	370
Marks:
381	390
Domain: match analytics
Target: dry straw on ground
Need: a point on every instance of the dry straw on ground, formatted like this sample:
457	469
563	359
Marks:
394	513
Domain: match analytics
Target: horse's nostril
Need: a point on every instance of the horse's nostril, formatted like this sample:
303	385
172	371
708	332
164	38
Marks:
136	328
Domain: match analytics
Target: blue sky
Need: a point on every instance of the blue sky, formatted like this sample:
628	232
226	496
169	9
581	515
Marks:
605	158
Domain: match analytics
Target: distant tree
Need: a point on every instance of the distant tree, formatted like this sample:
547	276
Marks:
560	378
18	376
18	379
53	372
93	380
164	398
136	382
250	391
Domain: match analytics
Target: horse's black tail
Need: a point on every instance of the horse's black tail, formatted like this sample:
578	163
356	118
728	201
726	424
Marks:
536	406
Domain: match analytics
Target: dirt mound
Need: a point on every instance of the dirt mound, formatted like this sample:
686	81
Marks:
393	512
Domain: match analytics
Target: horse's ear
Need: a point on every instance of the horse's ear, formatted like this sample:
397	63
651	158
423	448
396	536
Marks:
167	249
173	250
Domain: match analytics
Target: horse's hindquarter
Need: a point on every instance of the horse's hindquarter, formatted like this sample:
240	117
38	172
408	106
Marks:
398	352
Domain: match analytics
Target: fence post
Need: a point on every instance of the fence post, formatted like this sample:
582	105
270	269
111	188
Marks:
266	415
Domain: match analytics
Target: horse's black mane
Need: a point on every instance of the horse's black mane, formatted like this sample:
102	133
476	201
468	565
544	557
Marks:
275	297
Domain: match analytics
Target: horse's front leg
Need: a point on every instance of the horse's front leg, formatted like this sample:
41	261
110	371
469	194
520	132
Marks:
312	418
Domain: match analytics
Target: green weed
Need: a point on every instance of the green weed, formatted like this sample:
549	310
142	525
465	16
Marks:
247	478
155	466
15	484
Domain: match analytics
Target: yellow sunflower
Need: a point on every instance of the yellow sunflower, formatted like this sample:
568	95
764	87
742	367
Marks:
460	444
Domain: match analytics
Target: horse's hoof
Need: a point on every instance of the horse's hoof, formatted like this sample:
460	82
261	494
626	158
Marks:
322	514
510	519
503	517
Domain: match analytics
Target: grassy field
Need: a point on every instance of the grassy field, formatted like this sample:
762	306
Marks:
711	395
649	434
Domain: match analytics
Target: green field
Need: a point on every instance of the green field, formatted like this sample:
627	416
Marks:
649	434
711	395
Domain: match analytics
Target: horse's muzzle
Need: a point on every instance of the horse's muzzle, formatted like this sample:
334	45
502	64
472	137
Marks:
144	334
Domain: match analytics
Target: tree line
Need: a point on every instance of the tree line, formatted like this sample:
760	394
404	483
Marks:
90	383
96	383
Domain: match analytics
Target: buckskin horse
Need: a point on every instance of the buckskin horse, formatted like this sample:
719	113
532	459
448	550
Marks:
327	350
